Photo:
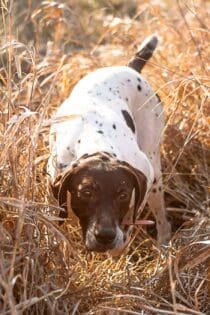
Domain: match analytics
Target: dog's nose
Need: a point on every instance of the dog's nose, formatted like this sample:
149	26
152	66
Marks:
105	234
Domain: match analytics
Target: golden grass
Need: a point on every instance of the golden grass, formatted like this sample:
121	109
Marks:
46	47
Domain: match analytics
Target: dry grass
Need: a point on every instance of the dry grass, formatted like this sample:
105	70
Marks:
46	47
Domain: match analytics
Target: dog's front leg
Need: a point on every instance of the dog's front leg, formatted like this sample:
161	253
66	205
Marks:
157	205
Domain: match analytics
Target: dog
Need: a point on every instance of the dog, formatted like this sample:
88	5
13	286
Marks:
104	160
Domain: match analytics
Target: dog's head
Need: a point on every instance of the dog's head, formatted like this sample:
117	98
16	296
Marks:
102	192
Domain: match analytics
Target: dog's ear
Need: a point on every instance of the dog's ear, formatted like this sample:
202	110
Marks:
60	189
56	186
140	191
140	188
65	184
62	186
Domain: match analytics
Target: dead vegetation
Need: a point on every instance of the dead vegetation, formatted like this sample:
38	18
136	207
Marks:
46	47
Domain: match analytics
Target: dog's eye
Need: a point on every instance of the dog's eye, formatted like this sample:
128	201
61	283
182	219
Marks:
123	195
86	193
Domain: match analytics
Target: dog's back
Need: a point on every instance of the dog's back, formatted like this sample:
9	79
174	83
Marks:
106	105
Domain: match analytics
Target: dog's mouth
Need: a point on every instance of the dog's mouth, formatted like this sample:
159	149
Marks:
121	238
92	243
103	245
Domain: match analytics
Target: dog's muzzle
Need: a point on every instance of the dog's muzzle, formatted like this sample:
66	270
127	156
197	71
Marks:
104	238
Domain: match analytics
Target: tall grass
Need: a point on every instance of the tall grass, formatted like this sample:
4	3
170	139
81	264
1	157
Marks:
46	47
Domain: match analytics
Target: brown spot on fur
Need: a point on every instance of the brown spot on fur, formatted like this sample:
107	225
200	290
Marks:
128	120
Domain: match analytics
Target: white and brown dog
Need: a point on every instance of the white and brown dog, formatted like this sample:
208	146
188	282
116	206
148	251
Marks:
105	153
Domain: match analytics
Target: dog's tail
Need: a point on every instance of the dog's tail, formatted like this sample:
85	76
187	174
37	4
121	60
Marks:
144	54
